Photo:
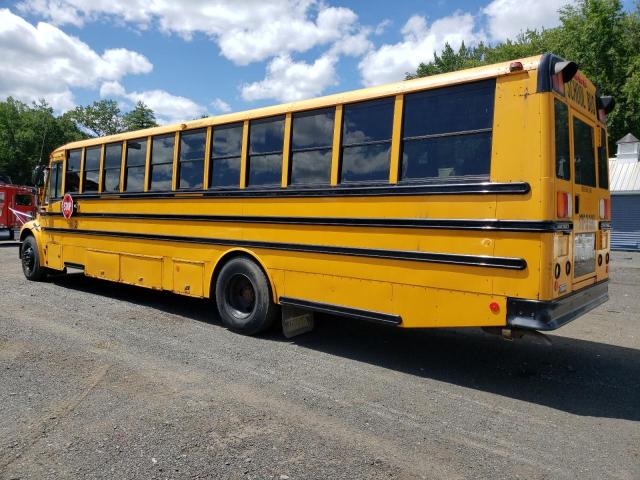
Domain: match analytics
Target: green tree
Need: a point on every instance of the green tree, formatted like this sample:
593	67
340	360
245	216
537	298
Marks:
28	134
140	117
101	118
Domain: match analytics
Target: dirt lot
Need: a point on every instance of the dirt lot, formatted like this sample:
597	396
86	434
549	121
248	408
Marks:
105	381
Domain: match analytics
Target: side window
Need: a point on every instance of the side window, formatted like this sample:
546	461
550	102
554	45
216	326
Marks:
266	140
112	166
584	157
24	200
72	177
311	147
366	141
446	132
135	164
162	162
55	180
563	167
191	169
226	152
603	162
91	169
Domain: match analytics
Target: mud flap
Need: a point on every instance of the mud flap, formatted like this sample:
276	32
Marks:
296	321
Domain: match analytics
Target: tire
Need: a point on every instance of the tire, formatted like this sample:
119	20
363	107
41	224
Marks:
243	297
31	260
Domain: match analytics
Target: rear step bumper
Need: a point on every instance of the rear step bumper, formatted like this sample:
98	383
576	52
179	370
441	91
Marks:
552	314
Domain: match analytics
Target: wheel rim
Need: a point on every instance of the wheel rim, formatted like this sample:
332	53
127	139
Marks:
241	296
28	259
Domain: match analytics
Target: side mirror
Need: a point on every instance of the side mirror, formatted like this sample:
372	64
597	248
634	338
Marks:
39	175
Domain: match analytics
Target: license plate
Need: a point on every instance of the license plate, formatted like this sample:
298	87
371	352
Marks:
584	254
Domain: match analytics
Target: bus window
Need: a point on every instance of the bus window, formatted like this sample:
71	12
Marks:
55	180
226	153
191	170
447	132
311	147
112	165
366	141
266	138
162	162
91	169
603	162
584	158
135	164
563	167
72	177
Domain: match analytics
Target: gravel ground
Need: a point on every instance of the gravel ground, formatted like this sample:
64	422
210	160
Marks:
99	380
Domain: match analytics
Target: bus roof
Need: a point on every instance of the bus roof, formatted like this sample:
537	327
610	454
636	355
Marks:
405	86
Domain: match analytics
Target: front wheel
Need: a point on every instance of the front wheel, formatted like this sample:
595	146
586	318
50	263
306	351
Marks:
243	297
31	260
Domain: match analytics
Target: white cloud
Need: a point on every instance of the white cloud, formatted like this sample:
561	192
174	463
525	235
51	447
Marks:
221	105
44	62
287	80
168	108
246	31
391	61
382	26
507	18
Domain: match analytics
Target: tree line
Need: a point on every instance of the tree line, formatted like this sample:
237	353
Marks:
598	35
29	133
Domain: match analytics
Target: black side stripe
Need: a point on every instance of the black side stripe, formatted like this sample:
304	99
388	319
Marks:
510	263
462	188
430	223
368	315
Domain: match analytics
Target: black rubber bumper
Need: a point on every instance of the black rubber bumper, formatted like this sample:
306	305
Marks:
552	314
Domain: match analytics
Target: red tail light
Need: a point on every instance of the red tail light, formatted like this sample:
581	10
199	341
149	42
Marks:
605	209
563	209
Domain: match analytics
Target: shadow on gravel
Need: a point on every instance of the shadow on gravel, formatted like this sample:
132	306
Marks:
575	376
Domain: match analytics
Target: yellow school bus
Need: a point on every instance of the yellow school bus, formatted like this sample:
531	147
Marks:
476	198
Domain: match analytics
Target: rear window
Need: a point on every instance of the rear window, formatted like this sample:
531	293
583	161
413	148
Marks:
584	156
563	167
603	162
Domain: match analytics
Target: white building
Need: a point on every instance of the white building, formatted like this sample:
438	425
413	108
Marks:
624	173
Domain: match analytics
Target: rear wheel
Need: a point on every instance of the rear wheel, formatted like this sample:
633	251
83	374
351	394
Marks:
243	297
31	260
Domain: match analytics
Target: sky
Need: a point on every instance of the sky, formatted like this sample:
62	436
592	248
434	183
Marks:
189	58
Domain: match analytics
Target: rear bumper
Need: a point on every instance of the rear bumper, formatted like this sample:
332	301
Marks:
552	314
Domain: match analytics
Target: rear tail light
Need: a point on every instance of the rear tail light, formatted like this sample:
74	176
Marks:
563	205
605	209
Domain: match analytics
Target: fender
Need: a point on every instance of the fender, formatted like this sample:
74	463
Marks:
32	228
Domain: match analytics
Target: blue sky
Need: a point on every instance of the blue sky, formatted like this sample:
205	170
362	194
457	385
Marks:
195	57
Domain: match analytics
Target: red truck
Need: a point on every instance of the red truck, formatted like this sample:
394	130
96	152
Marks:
17	206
